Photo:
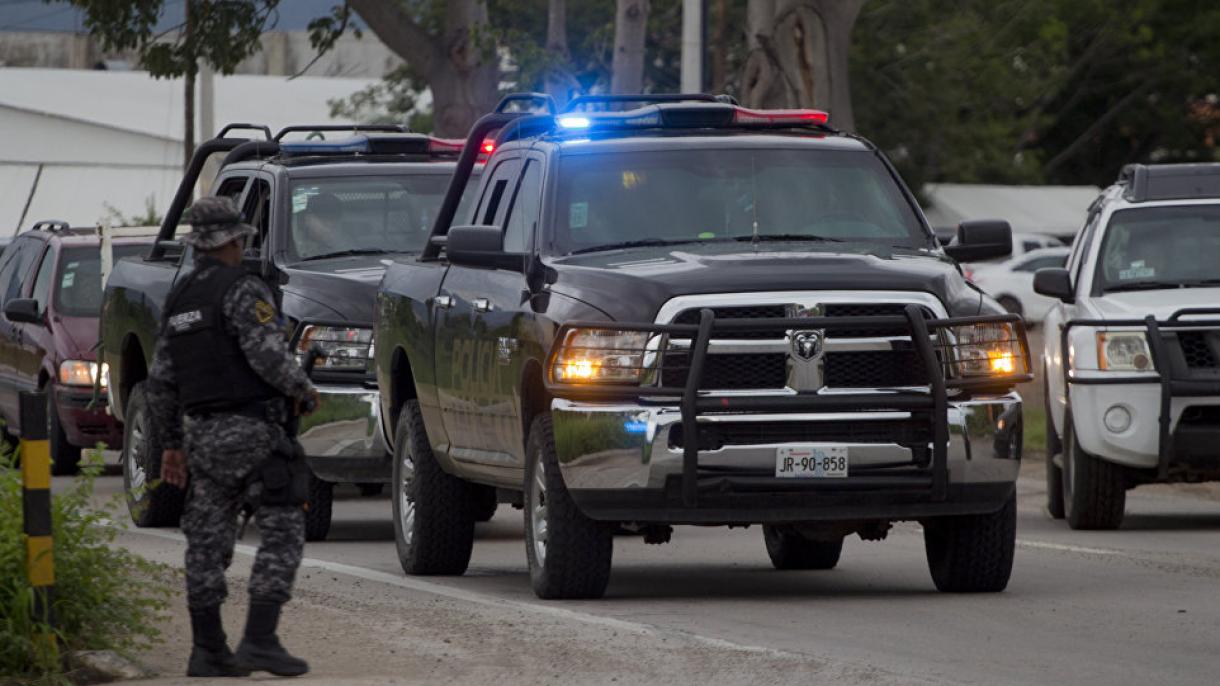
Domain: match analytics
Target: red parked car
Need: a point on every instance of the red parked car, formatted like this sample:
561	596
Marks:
51	293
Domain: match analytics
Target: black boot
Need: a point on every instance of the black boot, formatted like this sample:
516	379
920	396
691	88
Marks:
210	654
260	649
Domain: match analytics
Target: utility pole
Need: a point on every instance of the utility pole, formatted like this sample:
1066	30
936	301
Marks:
188	100
692	46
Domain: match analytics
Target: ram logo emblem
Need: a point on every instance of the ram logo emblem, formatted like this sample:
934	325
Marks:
806	345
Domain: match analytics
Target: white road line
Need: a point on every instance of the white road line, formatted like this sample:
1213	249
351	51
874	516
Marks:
416	584
1068	548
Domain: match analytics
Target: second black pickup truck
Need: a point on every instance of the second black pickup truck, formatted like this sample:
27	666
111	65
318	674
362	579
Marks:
328	213
695	313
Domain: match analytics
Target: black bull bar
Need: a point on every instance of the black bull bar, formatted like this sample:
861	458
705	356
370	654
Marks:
928	338
1174	379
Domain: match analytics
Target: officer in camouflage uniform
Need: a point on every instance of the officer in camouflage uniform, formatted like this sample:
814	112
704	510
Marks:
220	387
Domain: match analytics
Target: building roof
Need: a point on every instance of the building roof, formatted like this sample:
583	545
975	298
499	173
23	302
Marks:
1056	210
133	101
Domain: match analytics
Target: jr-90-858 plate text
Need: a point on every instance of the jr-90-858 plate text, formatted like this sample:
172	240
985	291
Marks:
811	461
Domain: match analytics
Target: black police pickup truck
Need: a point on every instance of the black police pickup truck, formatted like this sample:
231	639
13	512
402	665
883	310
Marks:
328	212
694	313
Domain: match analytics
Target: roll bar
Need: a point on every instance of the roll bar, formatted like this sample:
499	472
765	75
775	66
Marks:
354	128
186	188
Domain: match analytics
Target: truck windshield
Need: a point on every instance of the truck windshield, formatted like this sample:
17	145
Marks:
610	200
367	214
78	286
1161	247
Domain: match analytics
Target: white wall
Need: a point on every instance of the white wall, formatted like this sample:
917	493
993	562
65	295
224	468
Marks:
35	137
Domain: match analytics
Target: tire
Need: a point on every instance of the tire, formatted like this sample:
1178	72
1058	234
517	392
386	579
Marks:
569	555
483	503
433	527
318	509
141	458
1094	490
65	457
972	553
370	490
1054	473
1010	304
790	550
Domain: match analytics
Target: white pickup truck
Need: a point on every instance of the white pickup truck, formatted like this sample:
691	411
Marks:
1135	399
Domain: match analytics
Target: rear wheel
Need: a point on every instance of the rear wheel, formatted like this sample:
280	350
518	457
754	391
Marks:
65	457
569	555
433	527
483	503
788	549
1054	473
149	506
1094	490
318	508
972	553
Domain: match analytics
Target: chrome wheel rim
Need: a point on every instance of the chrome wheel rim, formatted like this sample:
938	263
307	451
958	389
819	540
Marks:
538	513
406	503
135	466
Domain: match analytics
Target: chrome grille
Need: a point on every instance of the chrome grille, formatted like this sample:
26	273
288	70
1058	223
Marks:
887	362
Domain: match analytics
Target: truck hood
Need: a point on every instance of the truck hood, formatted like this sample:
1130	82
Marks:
1159	303
632	284
75	337
344	286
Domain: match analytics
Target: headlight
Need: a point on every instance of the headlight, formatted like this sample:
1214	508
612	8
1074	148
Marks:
991	349
1123	351
83	373
346	349
600	356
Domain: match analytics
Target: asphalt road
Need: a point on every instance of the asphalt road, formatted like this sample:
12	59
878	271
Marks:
1136	606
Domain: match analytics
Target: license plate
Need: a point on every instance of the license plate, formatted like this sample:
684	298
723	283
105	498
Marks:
811	462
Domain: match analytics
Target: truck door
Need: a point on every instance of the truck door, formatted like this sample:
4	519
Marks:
466	351
1059	313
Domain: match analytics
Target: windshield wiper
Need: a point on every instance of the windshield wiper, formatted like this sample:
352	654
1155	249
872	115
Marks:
643	243
346	253
787	237
1145	285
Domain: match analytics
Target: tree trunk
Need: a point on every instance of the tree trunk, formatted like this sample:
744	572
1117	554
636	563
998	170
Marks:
799	56
558	82
630	24
461	69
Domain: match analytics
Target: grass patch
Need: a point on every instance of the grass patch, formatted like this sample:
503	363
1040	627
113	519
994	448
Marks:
1034	420
106	597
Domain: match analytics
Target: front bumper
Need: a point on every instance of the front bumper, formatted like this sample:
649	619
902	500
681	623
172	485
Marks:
343	440
85	422
621	462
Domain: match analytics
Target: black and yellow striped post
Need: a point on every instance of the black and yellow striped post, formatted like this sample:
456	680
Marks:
36	507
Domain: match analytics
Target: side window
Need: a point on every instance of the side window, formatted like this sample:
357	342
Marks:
257	212
1086	243
523	214
14	273
42	284
1030	246
232	187
491	207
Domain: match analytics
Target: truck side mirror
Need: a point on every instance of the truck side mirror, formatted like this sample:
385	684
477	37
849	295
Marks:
981	239
1054	282
481	246
24	310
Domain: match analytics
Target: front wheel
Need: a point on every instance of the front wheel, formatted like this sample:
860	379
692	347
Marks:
433	526
151	502
972	553
569	554
788	549
1094	490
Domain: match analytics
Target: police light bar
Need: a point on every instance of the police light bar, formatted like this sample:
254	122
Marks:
692	115
453	146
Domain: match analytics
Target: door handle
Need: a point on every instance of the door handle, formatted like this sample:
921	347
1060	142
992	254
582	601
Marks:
443	302
482	305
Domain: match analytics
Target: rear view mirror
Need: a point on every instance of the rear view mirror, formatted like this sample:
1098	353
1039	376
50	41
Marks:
481	246
24	310
982	239
1054	282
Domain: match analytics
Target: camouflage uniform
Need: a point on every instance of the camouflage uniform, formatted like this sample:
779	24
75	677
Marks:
223	448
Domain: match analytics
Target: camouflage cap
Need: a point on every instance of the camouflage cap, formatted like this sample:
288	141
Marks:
214	222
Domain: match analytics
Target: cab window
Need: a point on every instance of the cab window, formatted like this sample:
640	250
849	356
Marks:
523	215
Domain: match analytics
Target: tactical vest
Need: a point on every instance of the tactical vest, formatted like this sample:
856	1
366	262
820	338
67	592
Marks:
212	371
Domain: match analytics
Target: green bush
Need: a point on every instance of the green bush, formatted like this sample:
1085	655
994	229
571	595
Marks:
106	598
